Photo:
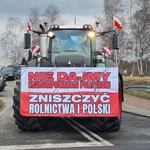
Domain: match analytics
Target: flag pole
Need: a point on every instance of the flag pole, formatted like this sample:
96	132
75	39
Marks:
115	51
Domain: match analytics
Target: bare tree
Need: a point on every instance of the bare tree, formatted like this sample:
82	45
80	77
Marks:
52	14
12	38
12	46
141	34
34	19
111	9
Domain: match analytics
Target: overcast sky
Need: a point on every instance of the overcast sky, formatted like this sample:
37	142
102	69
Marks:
84	10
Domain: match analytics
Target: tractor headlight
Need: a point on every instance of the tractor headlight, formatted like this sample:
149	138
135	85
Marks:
91	34
50	34
99	57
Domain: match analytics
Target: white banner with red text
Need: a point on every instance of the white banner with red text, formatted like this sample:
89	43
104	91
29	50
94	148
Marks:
53	91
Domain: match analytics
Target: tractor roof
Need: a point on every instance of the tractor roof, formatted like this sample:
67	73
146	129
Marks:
85	26
71	27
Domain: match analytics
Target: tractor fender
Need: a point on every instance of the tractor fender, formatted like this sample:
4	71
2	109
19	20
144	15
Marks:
32	63
121	80
46	63
109	63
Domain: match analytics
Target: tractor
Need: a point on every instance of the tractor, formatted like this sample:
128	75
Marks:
59	57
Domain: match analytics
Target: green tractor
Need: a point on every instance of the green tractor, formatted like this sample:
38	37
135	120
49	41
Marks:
67	47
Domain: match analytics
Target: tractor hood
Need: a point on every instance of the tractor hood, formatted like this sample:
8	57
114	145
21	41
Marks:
70	59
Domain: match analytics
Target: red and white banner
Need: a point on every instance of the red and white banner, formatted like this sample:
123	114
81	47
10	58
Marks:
107	50
35	49
117	23
73	92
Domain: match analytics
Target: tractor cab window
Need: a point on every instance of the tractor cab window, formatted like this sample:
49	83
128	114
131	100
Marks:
70	44
71	41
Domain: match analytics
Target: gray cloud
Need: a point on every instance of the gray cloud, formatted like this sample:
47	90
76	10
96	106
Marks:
78	7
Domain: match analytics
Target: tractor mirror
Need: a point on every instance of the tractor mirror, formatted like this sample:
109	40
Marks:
27	41
115	41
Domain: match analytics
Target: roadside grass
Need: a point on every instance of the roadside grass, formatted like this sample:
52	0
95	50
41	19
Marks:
128	81
1	103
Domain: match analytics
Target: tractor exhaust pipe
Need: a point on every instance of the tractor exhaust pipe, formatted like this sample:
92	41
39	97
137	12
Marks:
43	45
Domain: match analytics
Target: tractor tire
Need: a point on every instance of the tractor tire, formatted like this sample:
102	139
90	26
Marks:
26	123
109	123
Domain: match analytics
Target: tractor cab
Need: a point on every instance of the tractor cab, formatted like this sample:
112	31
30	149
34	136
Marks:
71	46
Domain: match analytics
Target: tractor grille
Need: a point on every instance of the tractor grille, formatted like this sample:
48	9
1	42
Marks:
69	61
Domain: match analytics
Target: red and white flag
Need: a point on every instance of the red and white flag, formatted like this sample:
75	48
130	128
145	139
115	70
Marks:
117	23
35	49
107	50
29	26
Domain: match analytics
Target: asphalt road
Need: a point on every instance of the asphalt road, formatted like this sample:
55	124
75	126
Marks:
71	133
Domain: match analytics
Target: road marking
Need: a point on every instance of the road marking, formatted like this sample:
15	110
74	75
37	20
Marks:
92	133
49	146
102	141
81	129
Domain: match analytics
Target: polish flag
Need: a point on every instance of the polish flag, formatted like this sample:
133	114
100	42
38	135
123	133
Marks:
117	23
29	26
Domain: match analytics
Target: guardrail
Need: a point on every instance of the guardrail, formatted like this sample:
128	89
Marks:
138	88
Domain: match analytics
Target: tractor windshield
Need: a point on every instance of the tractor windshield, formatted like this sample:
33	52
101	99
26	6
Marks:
71	41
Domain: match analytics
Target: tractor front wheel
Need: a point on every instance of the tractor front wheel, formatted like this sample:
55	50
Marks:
26	123
109	123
